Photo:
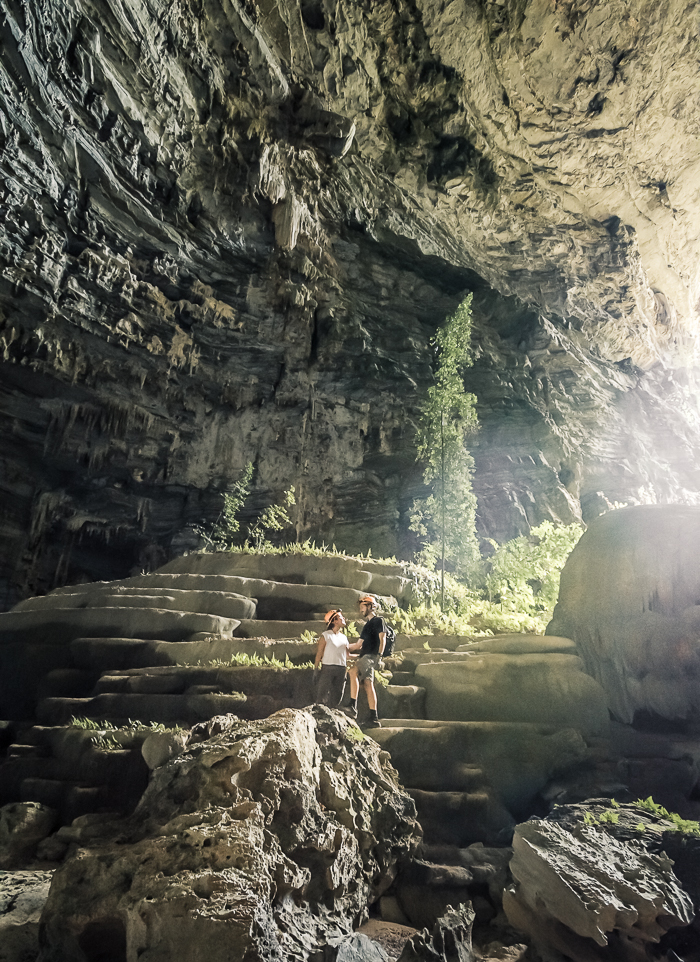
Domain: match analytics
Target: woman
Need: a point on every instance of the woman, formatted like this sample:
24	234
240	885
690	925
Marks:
331	657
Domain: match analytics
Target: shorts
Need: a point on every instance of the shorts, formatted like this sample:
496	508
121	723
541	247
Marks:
366	666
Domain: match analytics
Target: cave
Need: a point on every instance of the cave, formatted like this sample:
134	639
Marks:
230	231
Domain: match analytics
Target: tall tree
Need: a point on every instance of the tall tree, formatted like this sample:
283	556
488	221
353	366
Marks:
445	520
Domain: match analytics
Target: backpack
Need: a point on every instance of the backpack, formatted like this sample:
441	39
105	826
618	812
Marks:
389	640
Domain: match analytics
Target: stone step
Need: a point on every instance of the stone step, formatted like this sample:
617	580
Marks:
23	751
518	759
252	596
95	767
405	701
260	628
360	574
462	818
69	799
225	604
60	625
103	654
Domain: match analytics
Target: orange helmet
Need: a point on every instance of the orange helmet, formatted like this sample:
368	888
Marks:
330	615
369	599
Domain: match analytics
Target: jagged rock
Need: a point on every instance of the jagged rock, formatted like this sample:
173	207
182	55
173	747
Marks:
356	948
629	598
449	941
22	898
588	892
237	846
22	826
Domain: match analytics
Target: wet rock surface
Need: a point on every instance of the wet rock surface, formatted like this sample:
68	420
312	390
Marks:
231	230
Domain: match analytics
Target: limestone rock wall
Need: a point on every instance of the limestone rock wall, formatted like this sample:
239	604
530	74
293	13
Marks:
231	228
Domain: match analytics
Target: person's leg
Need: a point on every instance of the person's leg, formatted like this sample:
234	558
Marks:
338	687
368	685
354	689
324	690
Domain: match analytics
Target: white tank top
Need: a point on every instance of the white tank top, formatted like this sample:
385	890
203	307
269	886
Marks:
336	650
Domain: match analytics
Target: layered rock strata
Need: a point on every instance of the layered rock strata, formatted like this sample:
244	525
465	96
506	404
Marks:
232	228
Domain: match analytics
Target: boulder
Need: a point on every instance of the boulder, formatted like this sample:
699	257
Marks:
267	841
160	747
548	688
22	826
355	948
629	597
591	883
22	898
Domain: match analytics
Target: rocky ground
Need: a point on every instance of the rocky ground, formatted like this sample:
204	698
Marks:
204	791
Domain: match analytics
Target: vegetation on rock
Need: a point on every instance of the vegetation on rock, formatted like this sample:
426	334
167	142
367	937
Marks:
224	534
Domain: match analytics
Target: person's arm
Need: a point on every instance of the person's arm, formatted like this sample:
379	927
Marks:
320	648
382	642
356	645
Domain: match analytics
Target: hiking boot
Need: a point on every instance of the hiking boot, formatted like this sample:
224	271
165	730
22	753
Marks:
351	710
373	721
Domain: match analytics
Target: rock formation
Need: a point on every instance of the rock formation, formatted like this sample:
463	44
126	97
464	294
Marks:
478	730
593	884
230	229
280	832
629	597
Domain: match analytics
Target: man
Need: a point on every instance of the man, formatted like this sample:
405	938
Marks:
371	647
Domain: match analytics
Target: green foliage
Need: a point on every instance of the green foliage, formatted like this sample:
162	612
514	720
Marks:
445	520
351	631
686	826
523	574
242	659
122	736
355	733
107	743
605	818
224	534
89	724
308	637
275	517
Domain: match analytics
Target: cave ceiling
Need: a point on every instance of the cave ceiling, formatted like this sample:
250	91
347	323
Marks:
230	229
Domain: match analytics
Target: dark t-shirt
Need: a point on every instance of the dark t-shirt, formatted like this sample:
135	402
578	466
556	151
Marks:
370	636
